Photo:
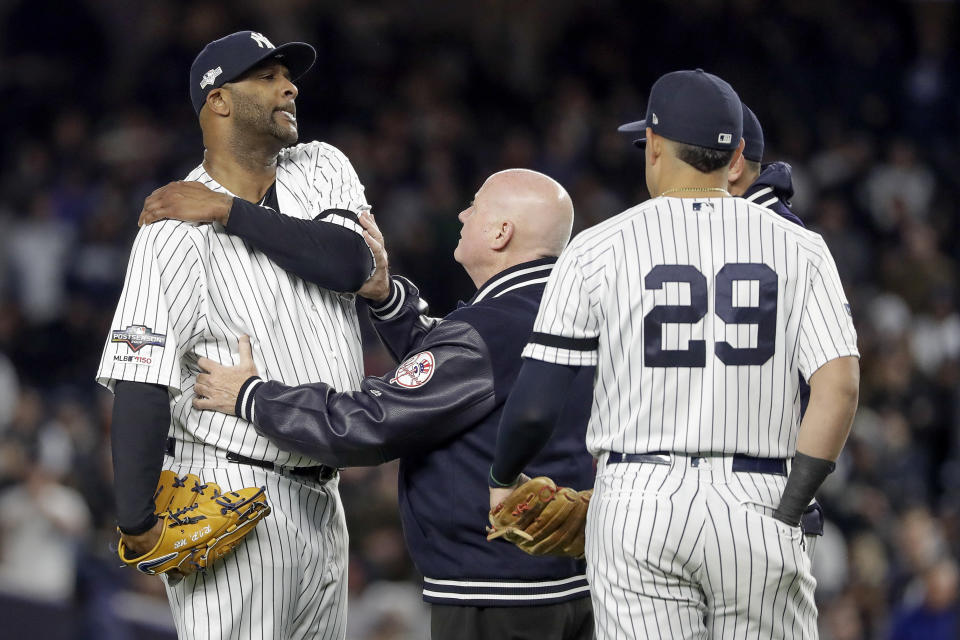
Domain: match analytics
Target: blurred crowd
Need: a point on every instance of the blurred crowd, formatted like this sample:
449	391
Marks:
427	98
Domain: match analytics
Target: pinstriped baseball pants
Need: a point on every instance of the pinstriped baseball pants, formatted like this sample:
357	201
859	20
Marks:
286	581
682	551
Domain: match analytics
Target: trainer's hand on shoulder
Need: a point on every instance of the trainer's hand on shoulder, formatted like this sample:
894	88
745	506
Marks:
218	387
377	286
187	201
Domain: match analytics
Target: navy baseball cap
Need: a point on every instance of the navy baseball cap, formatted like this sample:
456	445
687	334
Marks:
752	136
230	57
693	107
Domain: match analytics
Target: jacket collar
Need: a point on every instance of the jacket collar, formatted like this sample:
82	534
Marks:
524	274
774	183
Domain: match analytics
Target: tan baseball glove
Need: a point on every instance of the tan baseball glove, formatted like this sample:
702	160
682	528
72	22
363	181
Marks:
542	518
200	524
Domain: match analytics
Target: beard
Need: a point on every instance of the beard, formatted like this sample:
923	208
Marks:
255	120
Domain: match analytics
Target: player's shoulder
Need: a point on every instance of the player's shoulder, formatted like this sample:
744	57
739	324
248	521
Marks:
800	234
312	153
599	234
165	235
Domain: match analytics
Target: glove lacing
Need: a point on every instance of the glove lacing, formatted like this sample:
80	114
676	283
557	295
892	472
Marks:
177	519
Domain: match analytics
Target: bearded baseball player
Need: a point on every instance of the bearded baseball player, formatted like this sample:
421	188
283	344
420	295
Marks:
699	310
189	291
438	412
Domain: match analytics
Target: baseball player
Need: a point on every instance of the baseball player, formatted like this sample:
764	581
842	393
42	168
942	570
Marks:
698	310
189	290
438	412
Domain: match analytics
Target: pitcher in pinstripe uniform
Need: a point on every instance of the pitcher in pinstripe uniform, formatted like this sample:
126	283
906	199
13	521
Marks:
190	290
699	310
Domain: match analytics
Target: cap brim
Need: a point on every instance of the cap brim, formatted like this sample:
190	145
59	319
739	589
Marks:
298	57
631	127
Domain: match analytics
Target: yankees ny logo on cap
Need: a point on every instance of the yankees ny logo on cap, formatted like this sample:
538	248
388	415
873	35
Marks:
261	40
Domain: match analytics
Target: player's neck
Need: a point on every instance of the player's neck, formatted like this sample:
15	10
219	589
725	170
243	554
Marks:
690	183
247	175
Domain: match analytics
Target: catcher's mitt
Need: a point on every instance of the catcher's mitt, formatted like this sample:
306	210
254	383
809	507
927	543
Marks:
542	518
200	524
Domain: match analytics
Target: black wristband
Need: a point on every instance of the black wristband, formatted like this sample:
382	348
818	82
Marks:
141	528
496	484
806	476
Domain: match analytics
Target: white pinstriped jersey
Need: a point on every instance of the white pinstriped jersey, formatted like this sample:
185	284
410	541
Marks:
192	290
698	313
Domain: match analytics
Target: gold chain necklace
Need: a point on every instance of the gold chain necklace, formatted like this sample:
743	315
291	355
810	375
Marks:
695	189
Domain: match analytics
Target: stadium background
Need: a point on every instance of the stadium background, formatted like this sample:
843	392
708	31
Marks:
427	98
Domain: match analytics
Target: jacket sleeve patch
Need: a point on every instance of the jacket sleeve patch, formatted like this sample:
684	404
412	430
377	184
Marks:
415	371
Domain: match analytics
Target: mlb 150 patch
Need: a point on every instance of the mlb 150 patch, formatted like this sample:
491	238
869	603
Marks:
138	336
415	371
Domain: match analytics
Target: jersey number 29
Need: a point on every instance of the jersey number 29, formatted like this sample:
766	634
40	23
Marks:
764	315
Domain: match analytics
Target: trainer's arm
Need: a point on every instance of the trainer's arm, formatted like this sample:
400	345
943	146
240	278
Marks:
402	319
529	417
432	396
834	392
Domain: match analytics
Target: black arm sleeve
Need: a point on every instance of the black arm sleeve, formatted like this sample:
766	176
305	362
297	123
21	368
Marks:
138	433
529	417
322	251
432	396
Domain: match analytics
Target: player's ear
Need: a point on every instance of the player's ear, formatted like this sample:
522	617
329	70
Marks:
654	146
737	157
218	102
504	232
736	168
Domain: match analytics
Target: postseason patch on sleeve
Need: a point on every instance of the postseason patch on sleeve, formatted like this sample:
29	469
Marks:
415	372
138	336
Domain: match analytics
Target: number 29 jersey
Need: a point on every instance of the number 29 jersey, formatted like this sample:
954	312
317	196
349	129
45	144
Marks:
698	314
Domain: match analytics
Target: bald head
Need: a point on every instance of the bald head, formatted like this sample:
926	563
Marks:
517	215
539	208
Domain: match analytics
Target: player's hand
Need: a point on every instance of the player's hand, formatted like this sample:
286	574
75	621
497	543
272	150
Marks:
144	542
218	387
499	494
187	201
377	287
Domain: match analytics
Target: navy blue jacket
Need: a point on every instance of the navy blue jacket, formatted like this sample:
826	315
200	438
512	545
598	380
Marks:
439	413
773	189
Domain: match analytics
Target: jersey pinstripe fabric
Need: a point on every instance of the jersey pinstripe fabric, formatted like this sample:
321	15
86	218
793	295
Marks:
199	289
191	291
698	315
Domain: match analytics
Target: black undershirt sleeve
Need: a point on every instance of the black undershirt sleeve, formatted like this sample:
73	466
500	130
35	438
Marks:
138	434
529	417
319	251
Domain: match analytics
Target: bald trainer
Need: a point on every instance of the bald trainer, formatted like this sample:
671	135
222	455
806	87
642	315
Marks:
438	413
